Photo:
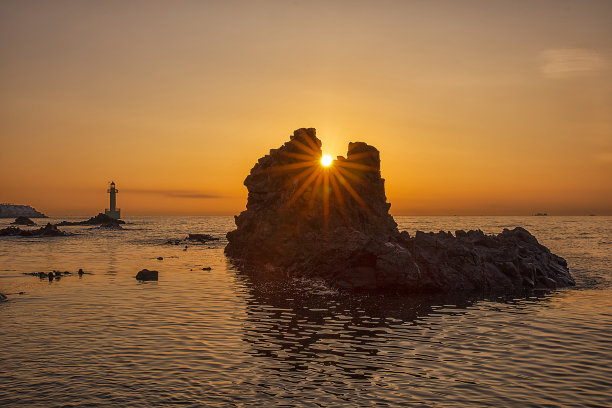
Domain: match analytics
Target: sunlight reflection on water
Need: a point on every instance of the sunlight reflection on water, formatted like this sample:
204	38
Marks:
201	337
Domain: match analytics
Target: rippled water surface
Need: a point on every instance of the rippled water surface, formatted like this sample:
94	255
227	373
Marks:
199	337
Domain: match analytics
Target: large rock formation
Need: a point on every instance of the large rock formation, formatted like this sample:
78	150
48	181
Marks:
303	219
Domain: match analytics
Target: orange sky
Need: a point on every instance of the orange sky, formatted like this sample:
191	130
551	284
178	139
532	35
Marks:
477	107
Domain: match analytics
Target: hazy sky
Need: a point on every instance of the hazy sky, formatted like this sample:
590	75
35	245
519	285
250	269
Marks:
477	107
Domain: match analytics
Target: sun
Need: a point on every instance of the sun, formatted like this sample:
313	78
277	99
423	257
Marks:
326	160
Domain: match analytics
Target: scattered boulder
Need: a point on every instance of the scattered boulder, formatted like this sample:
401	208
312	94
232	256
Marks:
23	221
207	268
48	230
333	222
160	258
3	297
146	275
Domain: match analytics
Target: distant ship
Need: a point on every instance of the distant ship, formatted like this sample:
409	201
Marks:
540	214
16	210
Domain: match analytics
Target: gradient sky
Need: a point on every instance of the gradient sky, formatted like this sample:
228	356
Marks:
478	107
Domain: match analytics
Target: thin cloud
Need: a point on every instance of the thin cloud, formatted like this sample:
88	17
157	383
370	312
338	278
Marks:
571	62
173	193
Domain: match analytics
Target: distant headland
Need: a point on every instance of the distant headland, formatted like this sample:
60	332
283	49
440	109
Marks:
16	210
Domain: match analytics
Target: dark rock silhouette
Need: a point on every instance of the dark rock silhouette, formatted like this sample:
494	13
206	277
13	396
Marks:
201	237
23	221
100	219
48	230
51	274
146	275
193	239
333	223
16	210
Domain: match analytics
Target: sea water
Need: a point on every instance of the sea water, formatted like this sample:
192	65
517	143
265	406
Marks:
215	337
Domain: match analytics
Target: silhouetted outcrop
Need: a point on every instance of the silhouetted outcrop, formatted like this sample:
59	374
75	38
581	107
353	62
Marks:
306	220
48	230
16	210
146	275
100	219
23	221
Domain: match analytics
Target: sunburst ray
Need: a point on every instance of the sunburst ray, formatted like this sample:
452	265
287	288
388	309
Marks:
303	187
347	186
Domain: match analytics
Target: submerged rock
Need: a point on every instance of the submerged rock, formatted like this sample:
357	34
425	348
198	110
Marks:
333	222
48	230
23	221
146	275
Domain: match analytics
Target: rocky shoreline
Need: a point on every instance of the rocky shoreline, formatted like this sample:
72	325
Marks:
48	230
303	220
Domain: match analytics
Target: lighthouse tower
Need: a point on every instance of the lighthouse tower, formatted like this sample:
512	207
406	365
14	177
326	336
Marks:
113	211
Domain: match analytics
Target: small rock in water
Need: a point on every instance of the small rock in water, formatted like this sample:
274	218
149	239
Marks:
21	220
160	258
81	272
146	275
2	297
201	237
207	268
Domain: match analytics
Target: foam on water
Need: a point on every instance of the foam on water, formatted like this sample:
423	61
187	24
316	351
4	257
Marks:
199	337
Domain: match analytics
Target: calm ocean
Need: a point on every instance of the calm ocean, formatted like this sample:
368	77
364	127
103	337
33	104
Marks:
216	338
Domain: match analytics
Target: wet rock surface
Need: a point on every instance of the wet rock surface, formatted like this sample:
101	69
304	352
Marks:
48	230
333	223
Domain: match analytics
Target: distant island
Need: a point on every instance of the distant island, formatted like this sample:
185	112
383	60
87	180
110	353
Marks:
16	210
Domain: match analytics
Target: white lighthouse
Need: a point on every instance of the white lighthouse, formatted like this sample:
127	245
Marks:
113	211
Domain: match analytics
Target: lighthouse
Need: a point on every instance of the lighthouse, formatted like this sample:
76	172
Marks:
113	211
